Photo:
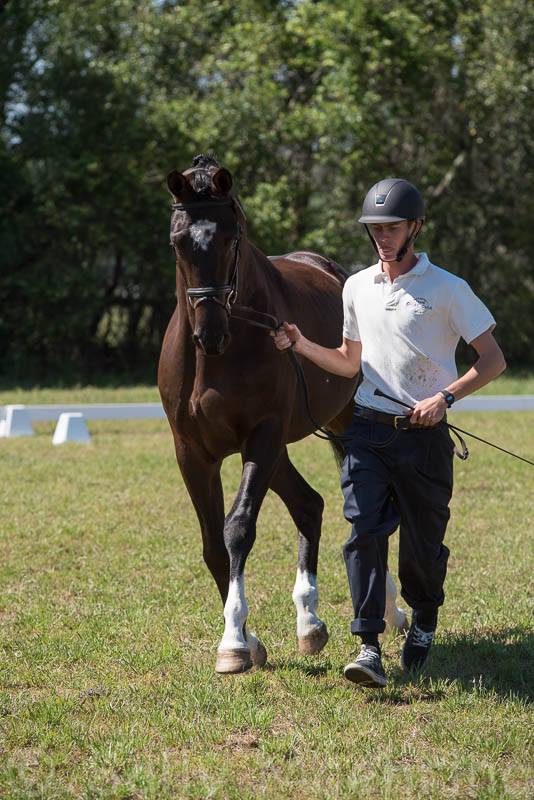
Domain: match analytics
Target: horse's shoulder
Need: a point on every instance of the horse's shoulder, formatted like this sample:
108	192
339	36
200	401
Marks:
305	258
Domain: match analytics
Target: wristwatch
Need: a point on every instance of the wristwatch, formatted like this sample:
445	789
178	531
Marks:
448	397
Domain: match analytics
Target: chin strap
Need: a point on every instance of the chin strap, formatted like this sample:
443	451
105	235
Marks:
411	238
370	235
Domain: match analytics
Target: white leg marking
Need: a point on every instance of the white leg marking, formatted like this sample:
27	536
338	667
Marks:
395	617
306	596
235	616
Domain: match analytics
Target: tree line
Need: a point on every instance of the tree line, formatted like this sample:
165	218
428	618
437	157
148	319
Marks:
306	103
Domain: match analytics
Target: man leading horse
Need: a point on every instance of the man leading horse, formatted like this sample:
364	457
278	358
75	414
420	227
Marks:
403	318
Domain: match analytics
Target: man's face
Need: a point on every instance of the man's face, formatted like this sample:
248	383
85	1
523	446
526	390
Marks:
390	237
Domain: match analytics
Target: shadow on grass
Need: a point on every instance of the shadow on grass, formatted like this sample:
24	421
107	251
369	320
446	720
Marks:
497	662
304	666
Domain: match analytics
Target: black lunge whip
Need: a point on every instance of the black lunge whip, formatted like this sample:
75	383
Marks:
458	430
274	325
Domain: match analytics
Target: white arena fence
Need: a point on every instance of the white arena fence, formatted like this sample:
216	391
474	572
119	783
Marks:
17	420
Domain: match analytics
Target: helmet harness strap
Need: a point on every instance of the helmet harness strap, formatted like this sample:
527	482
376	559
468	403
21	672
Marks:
370	235
410	239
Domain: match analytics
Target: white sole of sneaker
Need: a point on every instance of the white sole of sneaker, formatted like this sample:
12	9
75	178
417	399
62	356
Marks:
356	673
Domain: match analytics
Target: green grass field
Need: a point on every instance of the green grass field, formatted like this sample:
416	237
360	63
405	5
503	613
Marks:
109	624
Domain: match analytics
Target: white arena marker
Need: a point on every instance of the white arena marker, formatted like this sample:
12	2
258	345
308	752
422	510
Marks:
71	427
16	422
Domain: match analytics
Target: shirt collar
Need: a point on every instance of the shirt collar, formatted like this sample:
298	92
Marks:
418	269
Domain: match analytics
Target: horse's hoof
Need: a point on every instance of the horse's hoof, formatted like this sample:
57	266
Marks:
314	641
259	655
232	661
404	626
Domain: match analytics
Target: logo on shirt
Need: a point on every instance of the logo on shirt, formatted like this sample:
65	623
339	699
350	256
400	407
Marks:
419	305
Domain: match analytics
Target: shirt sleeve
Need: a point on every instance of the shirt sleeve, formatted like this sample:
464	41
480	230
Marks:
350	322
468	316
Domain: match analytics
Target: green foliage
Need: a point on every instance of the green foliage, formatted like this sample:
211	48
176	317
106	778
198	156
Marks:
307	103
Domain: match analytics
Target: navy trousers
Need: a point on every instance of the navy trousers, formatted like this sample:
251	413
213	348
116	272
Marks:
389	479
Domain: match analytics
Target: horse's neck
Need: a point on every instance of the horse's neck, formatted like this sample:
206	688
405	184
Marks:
256	276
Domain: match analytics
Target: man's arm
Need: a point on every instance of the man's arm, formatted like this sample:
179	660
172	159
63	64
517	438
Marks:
343	360
489	365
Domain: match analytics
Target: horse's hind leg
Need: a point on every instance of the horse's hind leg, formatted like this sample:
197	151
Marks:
306	508
396	619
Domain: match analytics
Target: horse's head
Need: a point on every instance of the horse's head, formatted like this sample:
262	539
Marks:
206	228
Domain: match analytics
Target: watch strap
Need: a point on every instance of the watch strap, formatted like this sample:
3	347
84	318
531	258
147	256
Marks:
448	397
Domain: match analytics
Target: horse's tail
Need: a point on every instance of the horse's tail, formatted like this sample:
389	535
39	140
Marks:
339	453
338	426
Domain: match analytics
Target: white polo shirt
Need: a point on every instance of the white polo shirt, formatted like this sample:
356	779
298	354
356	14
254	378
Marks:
409	330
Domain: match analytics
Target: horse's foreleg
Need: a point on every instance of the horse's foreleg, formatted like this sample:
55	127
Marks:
306	508
238	649
203	482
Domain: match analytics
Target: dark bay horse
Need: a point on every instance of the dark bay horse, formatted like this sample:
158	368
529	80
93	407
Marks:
225	389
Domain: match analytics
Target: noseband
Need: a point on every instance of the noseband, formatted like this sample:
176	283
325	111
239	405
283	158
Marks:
203	294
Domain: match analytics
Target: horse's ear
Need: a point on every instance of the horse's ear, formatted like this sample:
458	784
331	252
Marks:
176	183
222	181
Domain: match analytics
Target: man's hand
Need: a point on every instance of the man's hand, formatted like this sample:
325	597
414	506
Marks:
428	412
287	336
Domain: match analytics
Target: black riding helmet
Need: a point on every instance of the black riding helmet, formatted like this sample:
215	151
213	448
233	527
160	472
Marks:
392	200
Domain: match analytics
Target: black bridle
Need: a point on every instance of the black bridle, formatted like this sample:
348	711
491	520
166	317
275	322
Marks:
204	294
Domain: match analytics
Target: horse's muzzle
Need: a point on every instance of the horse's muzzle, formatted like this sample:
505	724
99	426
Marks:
211	344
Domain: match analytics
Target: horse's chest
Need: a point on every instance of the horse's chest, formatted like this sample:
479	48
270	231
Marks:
208	406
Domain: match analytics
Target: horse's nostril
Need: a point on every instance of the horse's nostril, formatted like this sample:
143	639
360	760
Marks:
211	345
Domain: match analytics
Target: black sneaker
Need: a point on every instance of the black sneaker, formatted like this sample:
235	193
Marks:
367	669
417	645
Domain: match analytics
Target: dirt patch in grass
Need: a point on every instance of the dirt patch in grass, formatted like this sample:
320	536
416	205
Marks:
242	739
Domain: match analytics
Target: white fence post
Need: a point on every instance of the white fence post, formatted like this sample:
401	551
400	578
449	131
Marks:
71	427
16	422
